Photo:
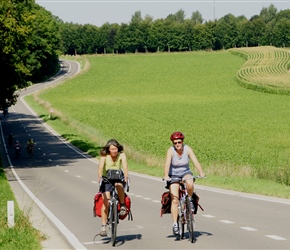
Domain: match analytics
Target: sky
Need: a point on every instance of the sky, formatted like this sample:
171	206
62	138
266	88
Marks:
98	12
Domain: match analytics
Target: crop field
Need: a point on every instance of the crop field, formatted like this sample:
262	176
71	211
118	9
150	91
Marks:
140	99
266	69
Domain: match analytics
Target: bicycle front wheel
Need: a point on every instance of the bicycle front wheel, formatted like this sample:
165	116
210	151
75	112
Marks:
181	220
114	223
190	220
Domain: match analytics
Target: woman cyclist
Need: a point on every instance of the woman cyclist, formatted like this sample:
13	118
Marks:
112	157
177	166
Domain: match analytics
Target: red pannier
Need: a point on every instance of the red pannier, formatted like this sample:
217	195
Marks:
98	203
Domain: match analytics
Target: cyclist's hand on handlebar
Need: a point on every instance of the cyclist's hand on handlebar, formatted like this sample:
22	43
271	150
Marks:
166	178
201	175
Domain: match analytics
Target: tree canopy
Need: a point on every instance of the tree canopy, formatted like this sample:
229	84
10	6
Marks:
178	33
29	44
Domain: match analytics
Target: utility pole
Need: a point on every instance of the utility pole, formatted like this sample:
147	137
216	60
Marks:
213	10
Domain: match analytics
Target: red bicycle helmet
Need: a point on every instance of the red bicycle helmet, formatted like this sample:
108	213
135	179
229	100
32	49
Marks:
176	136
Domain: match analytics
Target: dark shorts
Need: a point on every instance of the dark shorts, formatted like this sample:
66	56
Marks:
108	186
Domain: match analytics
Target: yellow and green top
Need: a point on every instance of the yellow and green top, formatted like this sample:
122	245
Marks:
110	164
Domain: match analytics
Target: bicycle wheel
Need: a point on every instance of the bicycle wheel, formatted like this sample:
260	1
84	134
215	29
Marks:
190	220
180	220
114	222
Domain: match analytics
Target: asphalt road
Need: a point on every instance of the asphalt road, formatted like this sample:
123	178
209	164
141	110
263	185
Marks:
63	181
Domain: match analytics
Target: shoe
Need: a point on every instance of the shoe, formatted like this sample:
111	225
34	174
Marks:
123	210
103	232
175	229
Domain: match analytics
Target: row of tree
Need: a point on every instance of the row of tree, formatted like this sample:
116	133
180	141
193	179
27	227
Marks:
31	38
29	43
176	33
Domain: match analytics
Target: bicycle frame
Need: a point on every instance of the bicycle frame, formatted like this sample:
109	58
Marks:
113	216
185	213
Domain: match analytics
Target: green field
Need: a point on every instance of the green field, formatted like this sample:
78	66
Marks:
140	99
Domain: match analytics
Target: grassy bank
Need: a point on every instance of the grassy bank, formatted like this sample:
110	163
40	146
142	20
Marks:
239	136
22	235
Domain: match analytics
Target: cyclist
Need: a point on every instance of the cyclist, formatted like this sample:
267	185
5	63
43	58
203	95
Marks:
17	148
177	166
30	145
112	157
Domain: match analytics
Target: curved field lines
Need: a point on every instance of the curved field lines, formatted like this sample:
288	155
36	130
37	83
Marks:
266	69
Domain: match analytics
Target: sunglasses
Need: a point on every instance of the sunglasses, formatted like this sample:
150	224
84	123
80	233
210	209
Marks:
177	142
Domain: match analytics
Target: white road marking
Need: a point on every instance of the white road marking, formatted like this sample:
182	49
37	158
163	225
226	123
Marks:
249	228
66	171
146	198
139	196
275	237
78	176
95	182
227	221
208	216
156	201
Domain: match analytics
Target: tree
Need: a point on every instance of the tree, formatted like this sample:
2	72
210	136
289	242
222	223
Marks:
179	16
281	33
226	32
136	18
268	14
196	17
29	43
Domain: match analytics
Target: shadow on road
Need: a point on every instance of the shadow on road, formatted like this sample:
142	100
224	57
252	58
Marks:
120	240
49	151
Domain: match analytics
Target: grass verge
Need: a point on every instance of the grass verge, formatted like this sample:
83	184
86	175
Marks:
22	235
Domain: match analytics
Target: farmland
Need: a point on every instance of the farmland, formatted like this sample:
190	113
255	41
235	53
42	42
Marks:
141	99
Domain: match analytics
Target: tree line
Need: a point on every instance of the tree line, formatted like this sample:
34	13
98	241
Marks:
31	38
176	33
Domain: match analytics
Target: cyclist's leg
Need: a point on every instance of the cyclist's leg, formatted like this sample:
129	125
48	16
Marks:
174	192
120	189
121	195
105	207
189	183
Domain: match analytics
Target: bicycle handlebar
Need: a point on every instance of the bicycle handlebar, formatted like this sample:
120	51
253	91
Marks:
184	179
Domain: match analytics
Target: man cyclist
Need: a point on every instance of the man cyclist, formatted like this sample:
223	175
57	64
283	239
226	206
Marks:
177	166
30	145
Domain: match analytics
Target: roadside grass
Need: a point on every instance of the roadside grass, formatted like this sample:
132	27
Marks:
240	136
22	235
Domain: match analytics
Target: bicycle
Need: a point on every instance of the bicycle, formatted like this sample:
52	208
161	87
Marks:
113	215
186	209
30	149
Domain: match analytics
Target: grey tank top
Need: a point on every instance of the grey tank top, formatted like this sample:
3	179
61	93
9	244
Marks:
179	164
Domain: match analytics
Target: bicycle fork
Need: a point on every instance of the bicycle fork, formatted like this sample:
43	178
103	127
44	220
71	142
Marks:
110	215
